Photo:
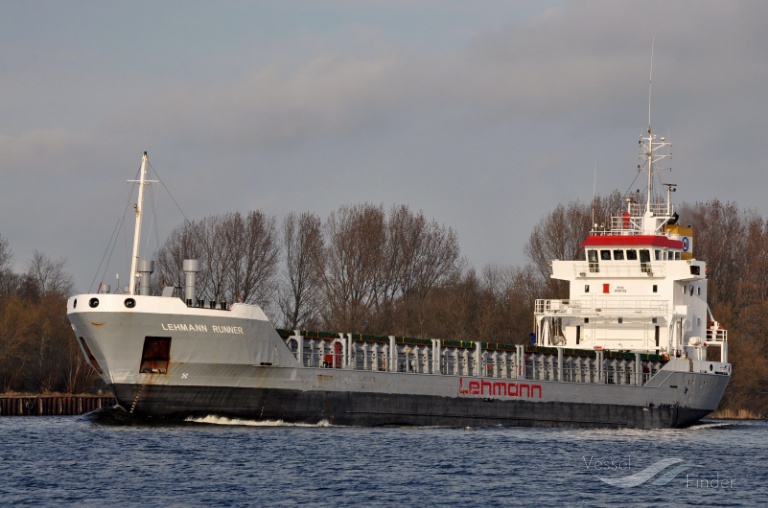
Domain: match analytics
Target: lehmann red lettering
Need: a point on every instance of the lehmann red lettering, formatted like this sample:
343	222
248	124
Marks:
496	388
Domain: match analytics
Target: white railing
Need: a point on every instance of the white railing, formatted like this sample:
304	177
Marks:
717	335
619	269
601	306
471	361
633	223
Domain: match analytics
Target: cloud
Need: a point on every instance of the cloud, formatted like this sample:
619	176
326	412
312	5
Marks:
485	118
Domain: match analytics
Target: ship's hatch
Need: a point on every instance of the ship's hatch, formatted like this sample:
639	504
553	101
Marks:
156	355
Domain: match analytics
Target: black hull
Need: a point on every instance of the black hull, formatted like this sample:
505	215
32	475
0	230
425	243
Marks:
377	409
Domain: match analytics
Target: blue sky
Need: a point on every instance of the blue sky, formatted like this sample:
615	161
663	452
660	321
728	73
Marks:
485	115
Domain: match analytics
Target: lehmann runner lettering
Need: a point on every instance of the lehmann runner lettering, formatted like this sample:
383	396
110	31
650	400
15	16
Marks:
496	388
185	327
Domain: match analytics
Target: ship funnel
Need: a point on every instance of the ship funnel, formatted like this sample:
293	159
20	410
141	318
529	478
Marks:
145	268
191	267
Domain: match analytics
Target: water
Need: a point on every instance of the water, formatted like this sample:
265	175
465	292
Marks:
54	461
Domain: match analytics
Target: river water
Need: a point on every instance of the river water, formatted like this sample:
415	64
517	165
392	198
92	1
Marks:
55	461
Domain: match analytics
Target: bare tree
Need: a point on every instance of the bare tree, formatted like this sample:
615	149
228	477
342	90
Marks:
49	275
451	312
352	265
6	255
559	235
184	242
253	252
214	259
514	291
238	256
8	280
302	247
754	286
419	256
17	323
720	239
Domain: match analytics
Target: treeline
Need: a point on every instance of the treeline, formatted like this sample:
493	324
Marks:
734	243
362	269
371	270
38	352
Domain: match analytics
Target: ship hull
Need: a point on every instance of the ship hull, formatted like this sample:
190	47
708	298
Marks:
360	408
232	363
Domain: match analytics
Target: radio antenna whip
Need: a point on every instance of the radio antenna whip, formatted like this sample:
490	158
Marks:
650	86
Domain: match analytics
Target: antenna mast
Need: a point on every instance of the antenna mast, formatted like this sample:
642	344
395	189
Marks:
650	86
651	144
137	232
650	136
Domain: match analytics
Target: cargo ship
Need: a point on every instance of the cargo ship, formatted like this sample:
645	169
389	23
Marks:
634	346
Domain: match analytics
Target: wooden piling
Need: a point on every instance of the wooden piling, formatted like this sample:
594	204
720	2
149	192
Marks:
47	405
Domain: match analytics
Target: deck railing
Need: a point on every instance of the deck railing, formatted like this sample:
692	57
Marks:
602	306
471	359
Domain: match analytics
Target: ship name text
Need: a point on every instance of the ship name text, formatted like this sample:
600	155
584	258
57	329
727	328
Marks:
184	327
496	388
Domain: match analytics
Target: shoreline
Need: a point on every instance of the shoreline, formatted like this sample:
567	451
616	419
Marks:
54	404
735	414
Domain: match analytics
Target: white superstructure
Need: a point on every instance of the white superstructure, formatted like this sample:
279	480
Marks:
638	288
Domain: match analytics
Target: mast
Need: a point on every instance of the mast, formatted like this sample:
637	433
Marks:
650	137
137	232
650	146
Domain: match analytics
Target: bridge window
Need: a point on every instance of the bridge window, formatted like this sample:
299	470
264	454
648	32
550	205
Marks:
592	258
645	260
632	255
657	255
695	270
618	255
605	255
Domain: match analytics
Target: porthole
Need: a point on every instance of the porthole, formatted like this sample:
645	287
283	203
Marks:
130	303
93	302
74	303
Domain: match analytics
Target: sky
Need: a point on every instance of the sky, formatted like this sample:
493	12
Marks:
484	115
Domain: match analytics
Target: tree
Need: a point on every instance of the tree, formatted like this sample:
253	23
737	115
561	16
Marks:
49	276
6	256
377	268
253	251
352	261
419	256
17	322
298	299
238	257
720	239
184	242
514	291
559	235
